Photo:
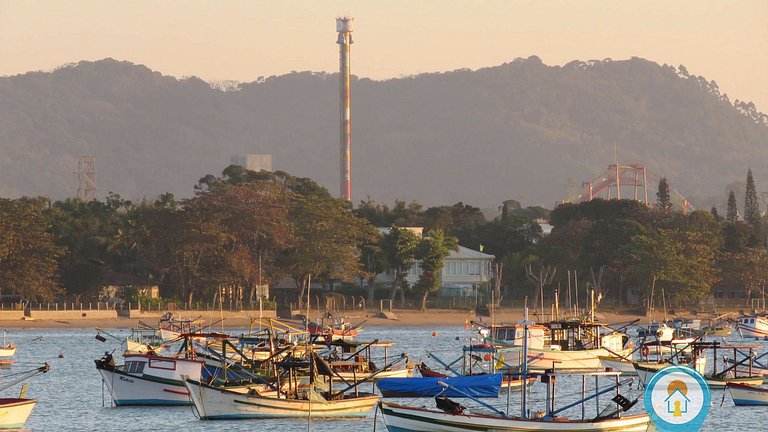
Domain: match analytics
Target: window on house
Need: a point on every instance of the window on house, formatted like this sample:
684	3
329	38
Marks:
474	268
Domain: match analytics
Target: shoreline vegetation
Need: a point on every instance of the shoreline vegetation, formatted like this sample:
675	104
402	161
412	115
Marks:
240	320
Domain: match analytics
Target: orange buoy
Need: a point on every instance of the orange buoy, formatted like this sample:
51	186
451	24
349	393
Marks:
434	333
487	357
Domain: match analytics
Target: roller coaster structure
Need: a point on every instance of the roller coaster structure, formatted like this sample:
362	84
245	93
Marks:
628	181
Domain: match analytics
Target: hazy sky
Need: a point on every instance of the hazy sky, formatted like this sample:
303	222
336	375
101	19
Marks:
723	40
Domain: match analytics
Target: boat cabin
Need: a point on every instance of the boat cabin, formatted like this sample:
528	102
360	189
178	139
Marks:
512	335
577	335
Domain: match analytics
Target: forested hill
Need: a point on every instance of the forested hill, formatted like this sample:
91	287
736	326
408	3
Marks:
522	130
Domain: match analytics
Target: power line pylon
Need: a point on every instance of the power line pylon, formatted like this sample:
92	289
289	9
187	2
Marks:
86	174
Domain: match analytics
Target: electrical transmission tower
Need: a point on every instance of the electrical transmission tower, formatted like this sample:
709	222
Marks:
86	174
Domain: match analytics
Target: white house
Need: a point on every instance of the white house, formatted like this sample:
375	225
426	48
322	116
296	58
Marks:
463	272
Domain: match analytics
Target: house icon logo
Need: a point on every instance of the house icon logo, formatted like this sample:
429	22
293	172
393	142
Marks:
677	401
677	398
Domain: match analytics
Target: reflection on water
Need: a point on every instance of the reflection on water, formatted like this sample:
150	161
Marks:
71	398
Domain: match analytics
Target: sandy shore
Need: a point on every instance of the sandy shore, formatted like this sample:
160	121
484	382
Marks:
234	320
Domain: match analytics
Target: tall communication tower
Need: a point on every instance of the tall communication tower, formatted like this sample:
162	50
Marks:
86	174
344	27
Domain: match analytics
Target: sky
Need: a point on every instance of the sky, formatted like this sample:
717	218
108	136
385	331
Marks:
242	40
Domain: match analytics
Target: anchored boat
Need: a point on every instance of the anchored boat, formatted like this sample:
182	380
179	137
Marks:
14	412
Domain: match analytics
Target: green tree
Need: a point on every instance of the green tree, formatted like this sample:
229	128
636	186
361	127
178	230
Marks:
682	262
400	245
432	251
327	240
28	254
747	268
663	198
732	213
373	263
751	205
88	231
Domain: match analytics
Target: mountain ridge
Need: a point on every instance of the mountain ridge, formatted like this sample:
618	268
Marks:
521	130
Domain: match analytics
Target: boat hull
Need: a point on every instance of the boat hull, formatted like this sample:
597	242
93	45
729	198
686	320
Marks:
746	395
399	418
721	383
214	403
132	390
14	412
646	370
362	376
619	365
543	359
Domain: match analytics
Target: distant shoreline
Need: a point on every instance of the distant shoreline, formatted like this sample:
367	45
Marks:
241	320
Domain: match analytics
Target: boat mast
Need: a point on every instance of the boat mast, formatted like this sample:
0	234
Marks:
524	374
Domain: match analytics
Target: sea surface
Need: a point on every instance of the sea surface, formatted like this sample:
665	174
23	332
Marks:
71	397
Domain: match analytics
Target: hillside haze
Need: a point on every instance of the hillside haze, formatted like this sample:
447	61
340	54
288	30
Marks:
522	130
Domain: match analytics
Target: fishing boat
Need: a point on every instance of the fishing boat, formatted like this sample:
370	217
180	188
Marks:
745	394
572	345
451	416
334	328
146	379
716	379
401	418
14	412
757	368
143	339
353	361
752	326
8	349
743	356
217	403
316	400
171	328
480	386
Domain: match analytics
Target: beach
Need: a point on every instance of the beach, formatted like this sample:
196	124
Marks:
218	320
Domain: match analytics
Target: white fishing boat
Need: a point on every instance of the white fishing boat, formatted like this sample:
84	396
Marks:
218	403
453	417
143	340
8	349
14	412
401	418
566	345
753	326
356	361
146	379
645	370
745	395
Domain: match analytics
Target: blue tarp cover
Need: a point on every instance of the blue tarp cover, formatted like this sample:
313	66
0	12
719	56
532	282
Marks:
480	386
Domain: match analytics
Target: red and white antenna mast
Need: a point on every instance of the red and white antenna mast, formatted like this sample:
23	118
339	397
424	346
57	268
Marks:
344	28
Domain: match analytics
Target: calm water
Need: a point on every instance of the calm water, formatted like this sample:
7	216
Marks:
70	394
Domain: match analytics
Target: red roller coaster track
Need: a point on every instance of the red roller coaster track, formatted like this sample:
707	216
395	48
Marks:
624	181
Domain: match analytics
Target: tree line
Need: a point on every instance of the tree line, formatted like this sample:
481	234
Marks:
245	229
